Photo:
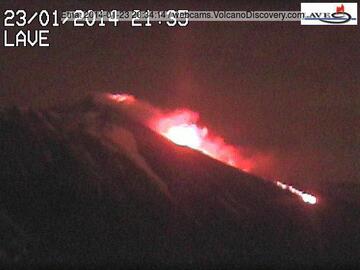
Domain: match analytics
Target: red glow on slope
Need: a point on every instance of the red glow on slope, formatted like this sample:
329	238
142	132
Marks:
180	127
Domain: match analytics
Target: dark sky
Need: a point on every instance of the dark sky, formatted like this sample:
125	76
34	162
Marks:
279	88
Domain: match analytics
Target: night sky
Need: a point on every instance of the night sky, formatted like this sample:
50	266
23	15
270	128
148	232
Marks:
279	88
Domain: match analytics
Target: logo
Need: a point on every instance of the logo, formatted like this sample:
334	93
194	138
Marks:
329	13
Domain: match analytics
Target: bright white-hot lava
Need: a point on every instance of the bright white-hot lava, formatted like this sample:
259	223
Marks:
180	127
186	135
306	197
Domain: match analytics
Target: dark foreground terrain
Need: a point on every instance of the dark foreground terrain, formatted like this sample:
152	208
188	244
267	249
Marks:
85	185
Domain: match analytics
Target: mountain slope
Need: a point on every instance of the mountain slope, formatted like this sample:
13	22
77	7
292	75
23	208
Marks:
88	185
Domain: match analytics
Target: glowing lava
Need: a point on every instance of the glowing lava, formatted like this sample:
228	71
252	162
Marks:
306	197
122	97
180	127
186	135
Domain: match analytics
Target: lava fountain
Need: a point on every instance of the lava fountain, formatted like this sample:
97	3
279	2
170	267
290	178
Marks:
180	127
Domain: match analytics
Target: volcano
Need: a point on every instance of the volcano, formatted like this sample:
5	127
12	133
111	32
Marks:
87	185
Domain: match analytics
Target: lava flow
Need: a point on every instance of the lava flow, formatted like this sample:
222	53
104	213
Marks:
306	197
180	127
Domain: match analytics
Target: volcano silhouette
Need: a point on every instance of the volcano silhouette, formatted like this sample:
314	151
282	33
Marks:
87	185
